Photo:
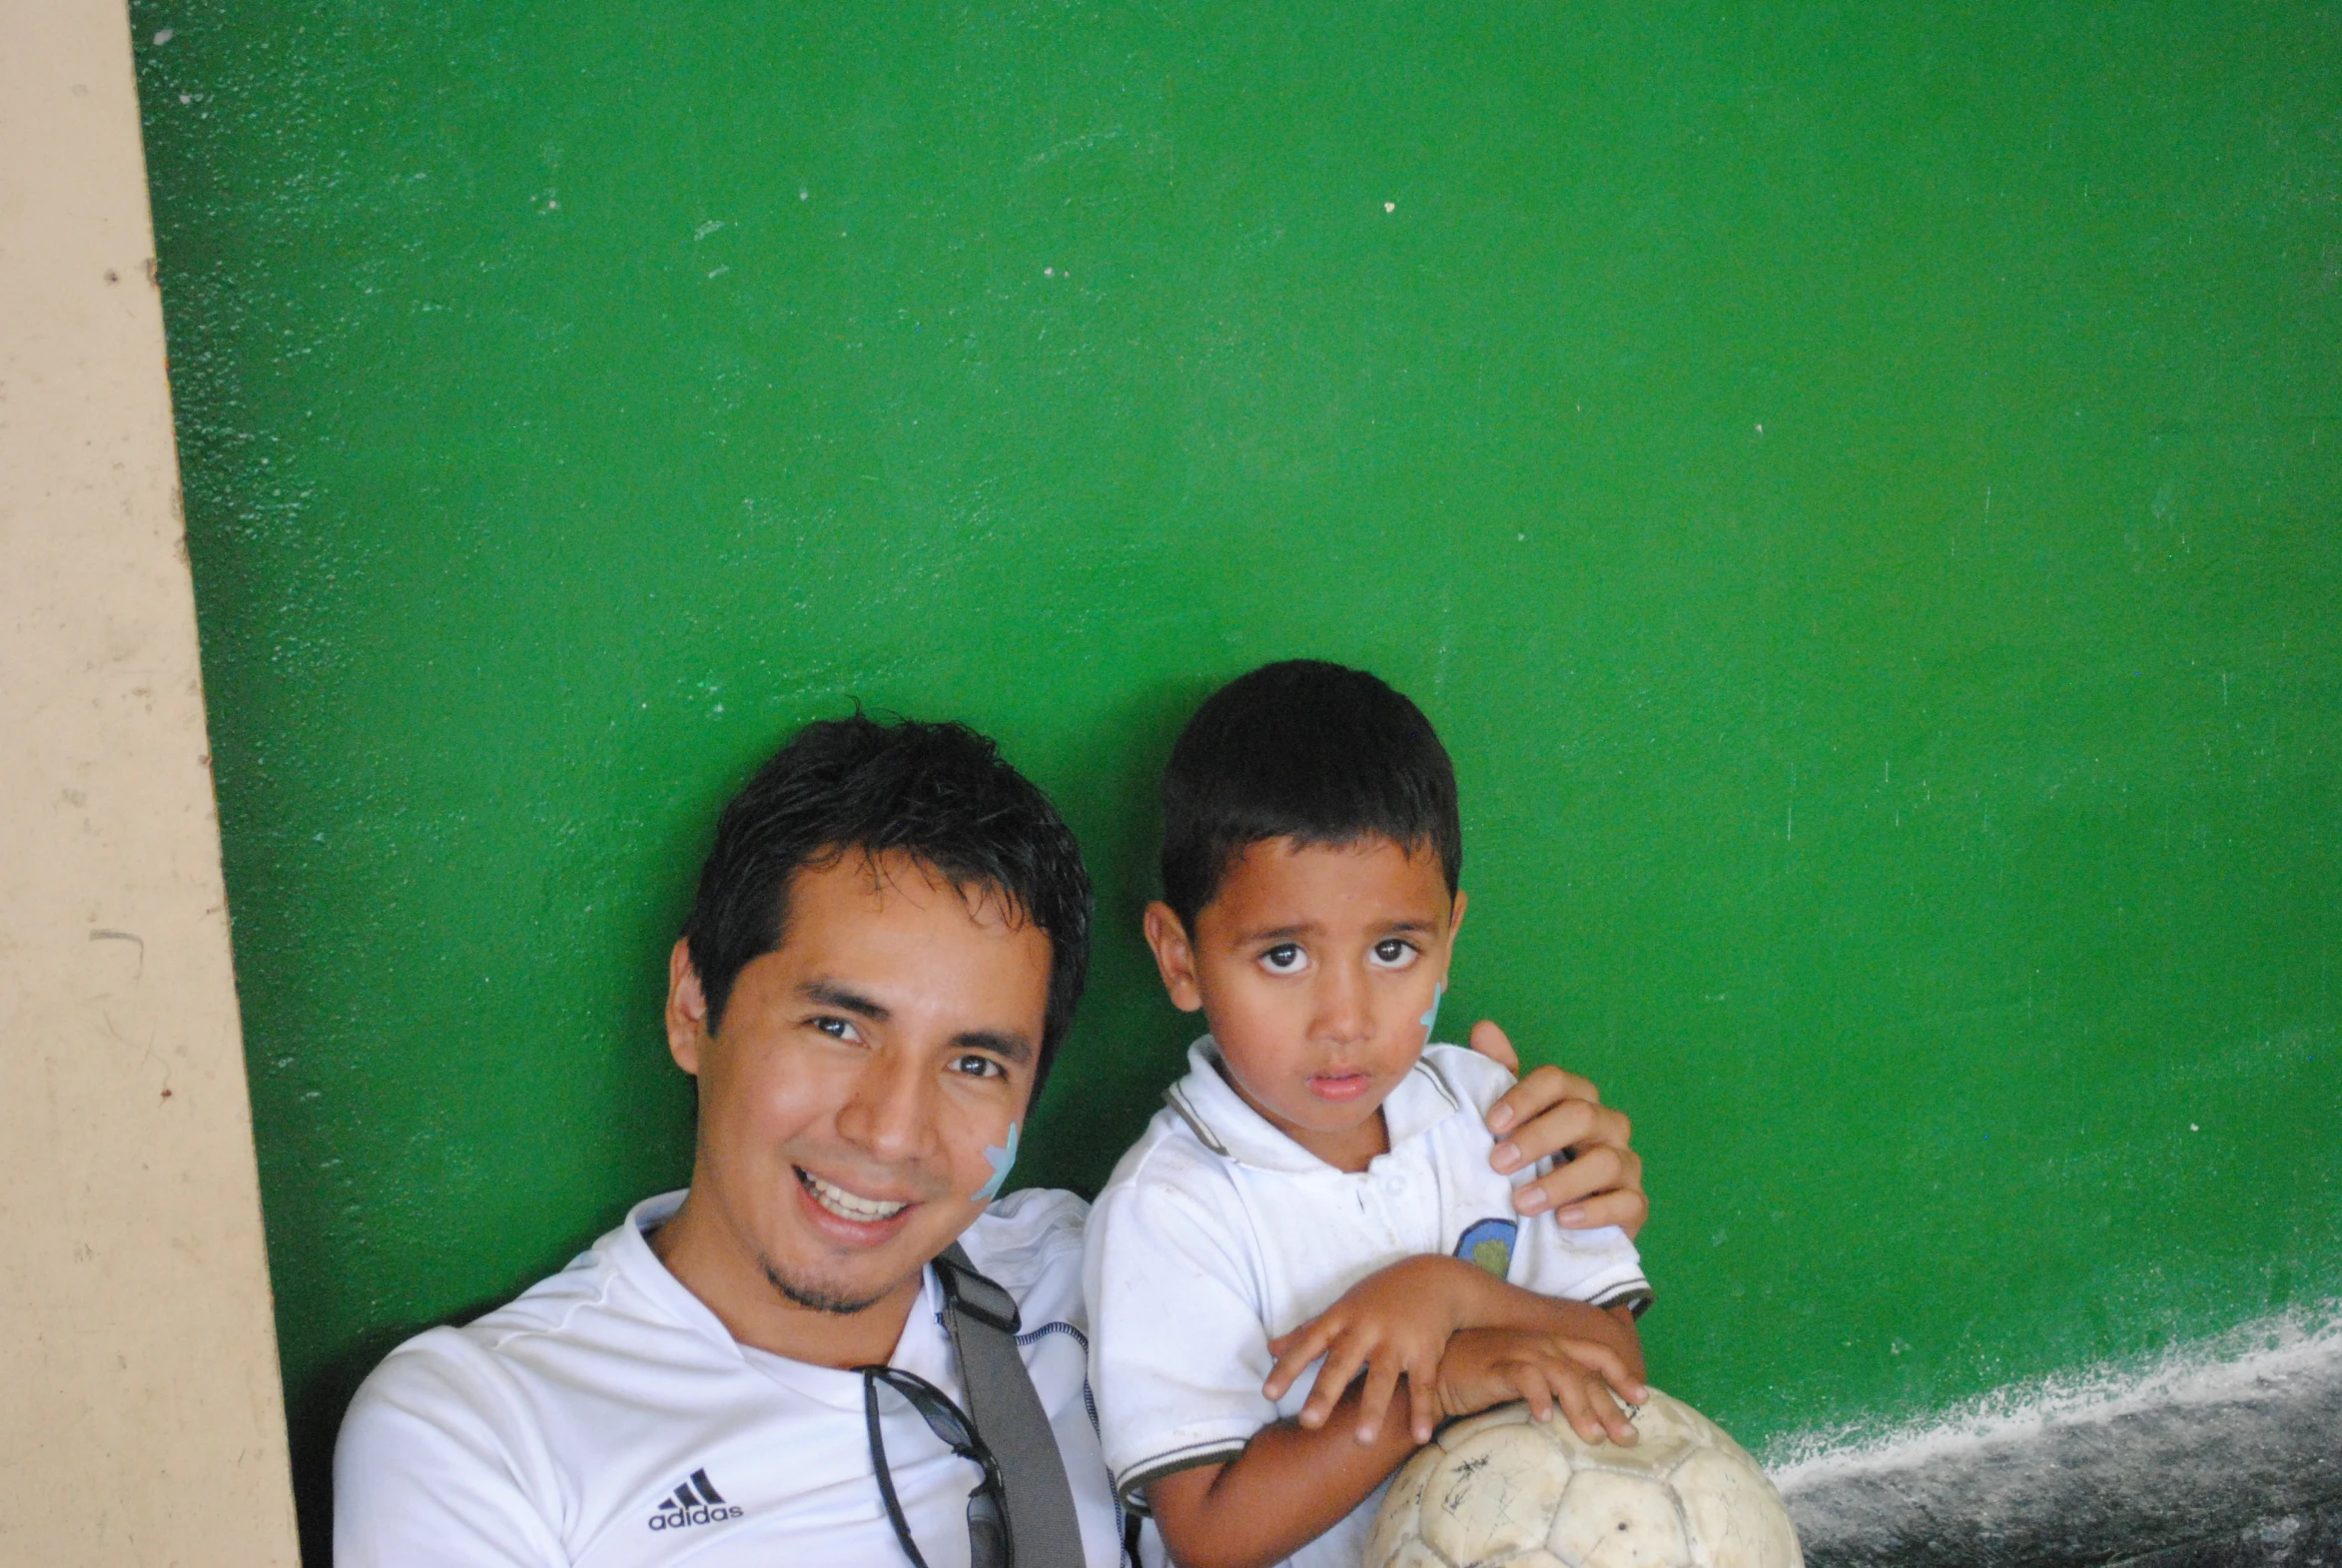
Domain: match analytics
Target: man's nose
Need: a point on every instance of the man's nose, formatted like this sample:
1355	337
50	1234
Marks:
889	1113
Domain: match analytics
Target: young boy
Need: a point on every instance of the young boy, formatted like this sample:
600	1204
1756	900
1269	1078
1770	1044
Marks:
1319	1185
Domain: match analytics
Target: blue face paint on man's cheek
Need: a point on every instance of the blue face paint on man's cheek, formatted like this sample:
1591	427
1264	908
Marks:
1431	1013
1000	1159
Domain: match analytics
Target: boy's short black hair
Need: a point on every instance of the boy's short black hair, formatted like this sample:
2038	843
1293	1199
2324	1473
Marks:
1305	750
940	793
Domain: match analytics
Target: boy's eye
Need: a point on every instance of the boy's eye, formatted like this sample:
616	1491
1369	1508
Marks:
837	1029
1394	952
1286	958
973	1066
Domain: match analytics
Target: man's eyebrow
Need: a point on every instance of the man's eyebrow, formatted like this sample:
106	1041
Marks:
1013	1047
830	994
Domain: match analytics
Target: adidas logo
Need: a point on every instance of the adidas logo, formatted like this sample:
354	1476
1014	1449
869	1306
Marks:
697	1502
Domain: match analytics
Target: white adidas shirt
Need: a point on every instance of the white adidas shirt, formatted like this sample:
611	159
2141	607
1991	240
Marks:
607	1420
1217	1233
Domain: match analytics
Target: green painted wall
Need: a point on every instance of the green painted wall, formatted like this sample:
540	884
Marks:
1862	494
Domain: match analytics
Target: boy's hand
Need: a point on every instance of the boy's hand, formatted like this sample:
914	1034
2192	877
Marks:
1484	1368
1549	1112
1393	1324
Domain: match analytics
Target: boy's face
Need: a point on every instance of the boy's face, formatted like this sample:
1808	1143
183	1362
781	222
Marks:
1315	966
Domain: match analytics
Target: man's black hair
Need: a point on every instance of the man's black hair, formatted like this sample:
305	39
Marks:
1308	751
940	793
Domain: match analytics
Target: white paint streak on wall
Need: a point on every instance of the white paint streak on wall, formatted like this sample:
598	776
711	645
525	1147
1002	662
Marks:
2213	1371
2211	1441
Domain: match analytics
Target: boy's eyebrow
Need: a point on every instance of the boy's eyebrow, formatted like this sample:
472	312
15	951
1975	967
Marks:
1280	932
1405	922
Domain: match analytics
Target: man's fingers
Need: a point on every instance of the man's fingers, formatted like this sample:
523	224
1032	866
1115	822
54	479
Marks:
1496	1046
1537	1092
1577	1126
1599	1171
1627	1211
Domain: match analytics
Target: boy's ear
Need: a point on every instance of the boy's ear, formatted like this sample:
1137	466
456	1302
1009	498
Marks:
1174	955
686	1009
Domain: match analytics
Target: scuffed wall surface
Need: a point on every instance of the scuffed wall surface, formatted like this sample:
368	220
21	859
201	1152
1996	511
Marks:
1860	491
140	1417
2225	1453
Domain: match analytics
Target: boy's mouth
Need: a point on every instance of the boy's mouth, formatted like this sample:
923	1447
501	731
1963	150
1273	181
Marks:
1345	1083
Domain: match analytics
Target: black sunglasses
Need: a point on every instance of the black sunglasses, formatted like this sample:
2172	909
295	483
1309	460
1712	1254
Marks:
987	1515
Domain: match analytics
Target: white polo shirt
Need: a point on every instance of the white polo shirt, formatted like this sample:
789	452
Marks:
1217	1233
607	1420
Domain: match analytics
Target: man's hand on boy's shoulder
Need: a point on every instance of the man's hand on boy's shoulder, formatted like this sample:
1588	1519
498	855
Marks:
1599	1181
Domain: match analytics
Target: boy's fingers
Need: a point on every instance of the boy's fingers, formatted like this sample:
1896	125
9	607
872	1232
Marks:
1374	1399
1533	1385
1423	1406
1599	1358
1610	1418
1575	1402
1295	1352
1342	1365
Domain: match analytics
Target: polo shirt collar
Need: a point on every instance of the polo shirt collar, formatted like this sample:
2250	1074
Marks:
1227	1126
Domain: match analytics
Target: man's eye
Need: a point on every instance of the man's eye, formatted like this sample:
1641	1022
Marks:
1394	952
836	1029
1286	958
978	1067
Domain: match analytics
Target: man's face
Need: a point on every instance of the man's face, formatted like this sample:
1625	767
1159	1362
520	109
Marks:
859	1074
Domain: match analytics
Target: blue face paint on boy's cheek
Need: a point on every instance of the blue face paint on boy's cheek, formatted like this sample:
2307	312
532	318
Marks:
1431	1013
1000	1159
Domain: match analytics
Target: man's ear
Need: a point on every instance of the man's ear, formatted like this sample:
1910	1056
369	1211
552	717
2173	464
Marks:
1174	955
686	1009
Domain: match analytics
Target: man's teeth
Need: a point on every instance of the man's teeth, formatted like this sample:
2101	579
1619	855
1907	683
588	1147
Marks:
845	1204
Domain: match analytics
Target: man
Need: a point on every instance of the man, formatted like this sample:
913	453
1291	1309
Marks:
890	936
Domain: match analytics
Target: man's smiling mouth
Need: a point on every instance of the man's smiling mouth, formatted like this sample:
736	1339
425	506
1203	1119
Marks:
845	1204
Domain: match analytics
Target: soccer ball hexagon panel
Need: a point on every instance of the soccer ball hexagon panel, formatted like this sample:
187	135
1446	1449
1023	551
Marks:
1504	1488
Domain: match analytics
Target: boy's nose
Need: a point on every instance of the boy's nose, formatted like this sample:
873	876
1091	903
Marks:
1343	1015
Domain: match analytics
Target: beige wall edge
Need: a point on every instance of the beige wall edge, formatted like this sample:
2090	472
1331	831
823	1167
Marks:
141	1420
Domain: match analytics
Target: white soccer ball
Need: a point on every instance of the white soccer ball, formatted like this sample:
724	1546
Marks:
1502	1488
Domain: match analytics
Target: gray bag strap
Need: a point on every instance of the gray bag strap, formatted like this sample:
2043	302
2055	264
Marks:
982	1320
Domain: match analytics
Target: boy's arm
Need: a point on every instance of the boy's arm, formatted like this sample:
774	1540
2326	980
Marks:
1297	1479
1396	1323
1291	1486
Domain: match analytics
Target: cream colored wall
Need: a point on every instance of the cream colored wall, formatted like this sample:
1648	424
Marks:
140	1415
